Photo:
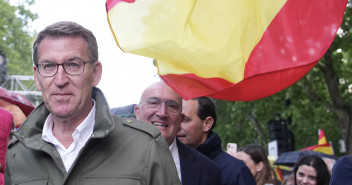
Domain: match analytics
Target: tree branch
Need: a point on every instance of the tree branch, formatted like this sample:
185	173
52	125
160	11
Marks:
257	127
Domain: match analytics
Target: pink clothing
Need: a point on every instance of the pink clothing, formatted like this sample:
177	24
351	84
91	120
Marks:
2	178
6	121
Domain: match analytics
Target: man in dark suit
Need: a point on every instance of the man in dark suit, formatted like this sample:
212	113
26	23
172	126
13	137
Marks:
161	106
342	171
125	111
196	131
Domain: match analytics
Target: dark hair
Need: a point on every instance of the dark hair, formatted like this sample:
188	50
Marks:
67	29
323	175
258	154
206	108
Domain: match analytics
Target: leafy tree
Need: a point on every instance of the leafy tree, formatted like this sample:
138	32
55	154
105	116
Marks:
320	100
16	36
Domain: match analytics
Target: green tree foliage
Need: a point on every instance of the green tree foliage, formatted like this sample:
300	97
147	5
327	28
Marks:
16	36
320	100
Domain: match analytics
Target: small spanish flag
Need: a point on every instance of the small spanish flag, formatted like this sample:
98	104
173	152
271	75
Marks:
279	170
278	173
231	50
322	138
323	146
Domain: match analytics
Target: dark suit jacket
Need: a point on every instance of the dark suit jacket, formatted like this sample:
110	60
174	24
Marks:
234	171
125	111
196	168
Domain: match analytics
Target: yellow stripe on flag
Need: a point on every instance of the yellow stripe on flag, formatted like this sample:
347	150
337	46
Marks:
322	138
326	149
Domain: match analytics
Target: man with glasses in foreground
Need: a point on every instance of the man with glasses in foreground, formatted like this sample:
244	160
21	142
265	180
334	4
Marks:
72	138
161	106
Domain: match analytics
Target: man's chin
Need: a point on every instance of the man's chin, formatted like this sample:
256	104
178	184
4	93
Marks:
60	111
181	138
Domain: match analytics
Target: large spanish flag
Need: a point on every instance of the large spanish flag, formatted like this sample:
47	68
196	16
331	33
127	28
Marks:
227	49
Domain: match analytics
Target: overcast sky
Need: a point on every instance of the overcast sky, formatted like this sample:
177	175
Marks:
125	75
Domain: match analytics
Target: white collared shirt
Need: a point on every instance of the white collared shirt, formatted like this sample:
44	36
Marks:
80	136
174	152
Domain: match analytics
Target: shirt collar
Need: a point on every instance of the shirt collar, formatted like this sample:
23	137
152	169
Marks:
175	155
83	130
173	146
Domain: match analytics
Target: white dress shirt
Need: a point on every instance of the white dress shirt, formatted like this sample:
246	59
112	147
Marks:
80	136
174	152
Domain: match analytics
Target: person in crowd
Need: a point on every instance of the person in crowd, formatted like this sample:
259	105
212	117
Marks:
72	138
289	179
329	163
311	170
125	111
6	122
196	132
162	106
255	157
342	171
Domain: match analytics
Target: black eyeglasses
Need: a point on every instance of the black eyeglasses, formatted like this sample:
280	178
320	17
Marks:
71	67
171	106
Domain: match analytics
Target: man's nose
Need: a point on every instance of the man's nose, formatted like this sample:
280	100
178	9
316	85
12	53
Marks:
61	76
162	110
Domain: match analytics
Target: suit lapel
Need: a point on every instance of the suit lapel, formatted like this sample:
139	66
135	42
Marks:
190	170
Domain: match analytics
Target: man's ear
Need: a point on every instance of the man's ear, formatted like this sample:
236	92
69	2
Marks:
260	166
97	71
37	84
136	111
208	123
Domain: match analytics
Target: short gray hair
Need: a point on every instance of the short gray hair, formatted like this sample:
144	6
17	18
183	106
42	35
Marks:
67	29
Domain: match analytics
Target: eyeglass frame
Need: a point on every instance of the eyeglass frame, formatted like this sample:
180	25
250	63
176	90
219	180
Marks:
166	105
63	66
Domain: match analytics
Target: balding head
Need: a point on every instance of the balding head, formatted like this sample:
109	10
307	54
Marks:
161	106
155	89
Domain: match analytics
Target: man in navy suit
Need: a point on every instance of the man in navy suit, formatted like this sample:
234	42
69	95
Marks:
342	171
196	132
125	111
161	106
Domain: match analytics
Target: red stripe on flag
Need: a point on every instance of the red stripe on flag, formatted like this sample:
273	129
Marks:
191	84
323	148
317	146
188	85
111	3
321	134
279	173
300	34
